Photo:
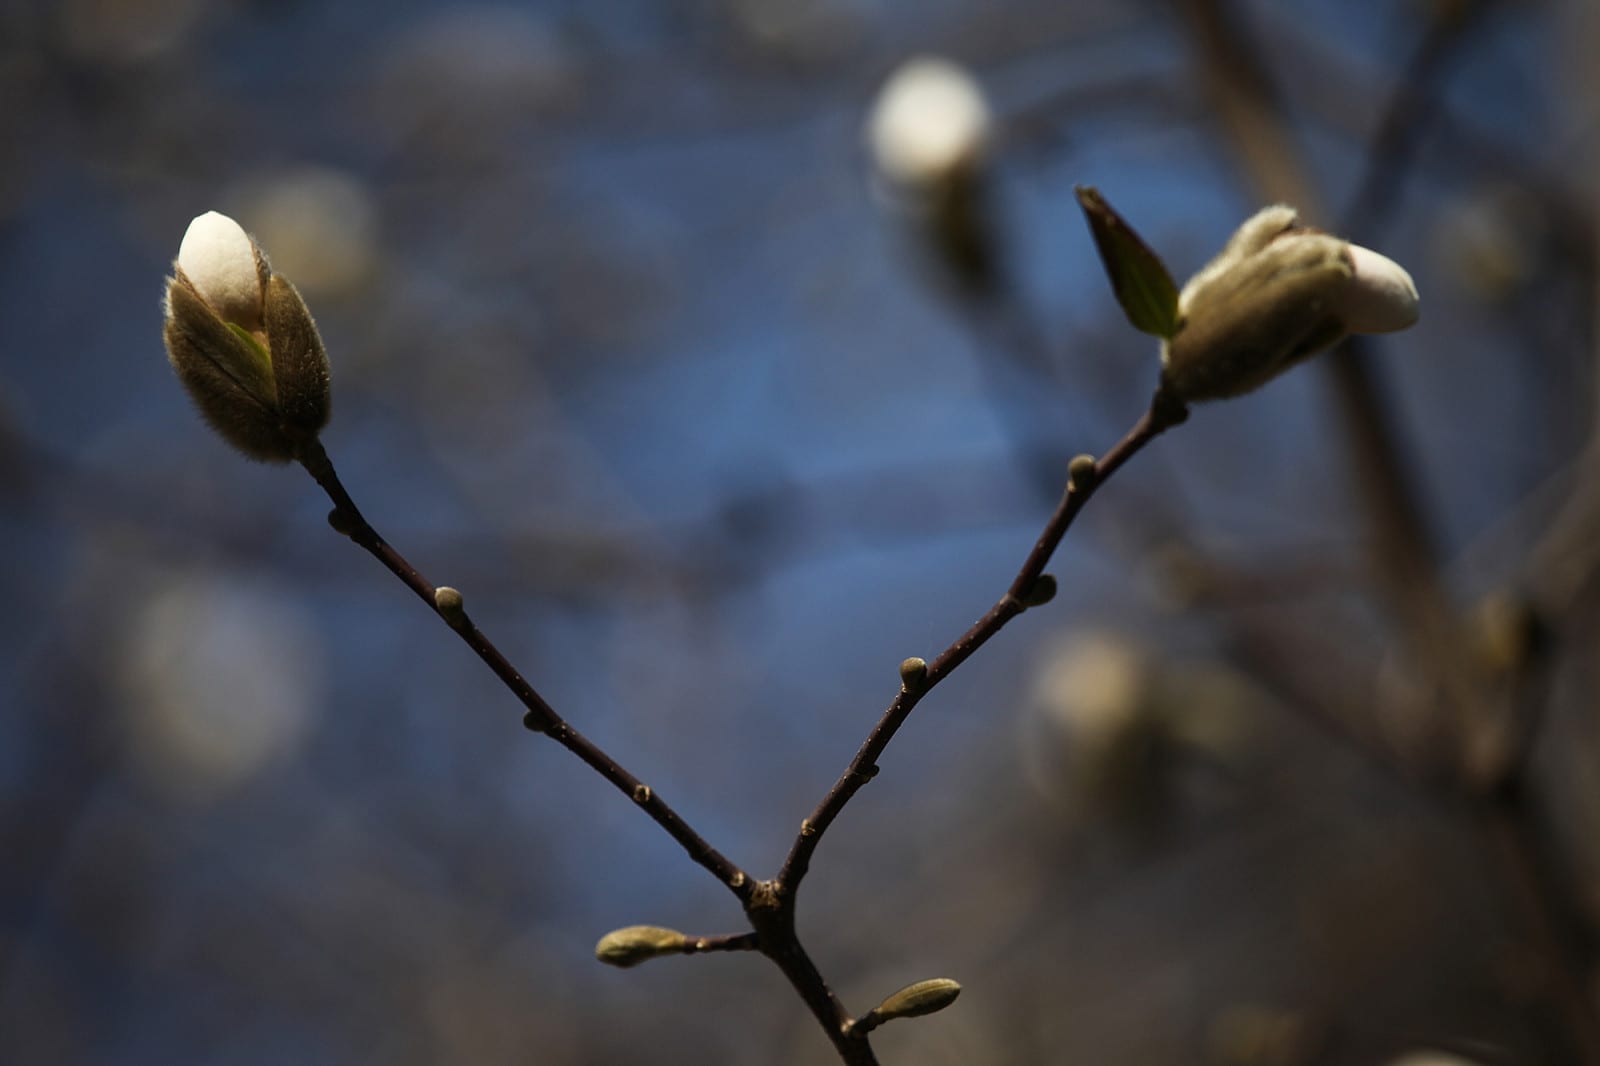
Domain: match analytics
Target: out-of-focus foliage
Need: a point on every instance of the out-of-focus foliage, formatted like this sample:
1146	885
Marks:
629	344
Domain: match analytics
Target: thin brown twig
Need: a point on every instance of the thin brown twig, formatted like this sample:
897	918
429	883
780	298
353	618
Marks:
540	717
705	945
773	934
770	905
1162	415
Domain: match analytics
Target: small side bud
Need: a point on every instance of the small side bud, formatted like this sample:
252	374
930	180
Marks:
1042	592
342	521
1081	472
912	1001
914	674
243	344
450	606
640	943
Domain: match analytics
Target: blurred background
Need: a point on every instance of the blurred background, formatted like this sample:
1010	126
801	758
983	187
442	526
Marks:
714	421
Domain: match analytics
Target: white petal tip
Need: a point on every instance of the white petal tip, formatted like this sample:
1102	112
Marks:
219	259
1381	298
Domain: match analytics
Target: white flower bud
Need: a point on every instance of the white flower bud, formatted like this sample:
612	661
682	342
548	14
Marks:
929	123
1278	293
243	344
220	261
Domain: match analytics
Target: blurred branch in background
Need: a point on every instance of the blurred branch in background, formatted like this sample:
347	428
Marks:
1486	746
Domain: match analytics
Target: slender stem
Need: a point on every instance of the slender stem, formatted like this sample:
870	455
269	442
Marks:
705	945
540	717
1163	414
770	905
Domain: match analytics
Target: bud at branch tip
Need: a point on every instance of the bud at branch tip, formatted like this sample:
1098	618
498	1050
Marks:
912	1001
243	343
640	943
1277	293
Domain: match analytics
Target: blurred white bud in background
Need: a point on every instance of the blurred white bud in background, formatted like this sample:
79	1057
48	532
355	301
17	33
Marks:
1092	734
929	123
221	679
929	132
1491	242
321	224
1117	729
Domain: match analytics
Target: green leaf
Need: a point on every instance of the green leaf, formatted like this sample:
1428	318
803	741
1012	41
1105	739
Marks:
1138	277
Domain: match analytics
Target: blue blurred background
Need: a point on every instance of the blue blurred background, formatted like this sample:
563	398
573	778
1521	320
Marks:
632	346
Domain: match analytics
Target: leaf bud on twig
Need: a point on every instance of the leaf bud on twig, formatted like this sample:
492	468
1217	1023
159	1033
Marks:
912	1001
914	674
243	343
639	943
450	605
1081	472
1041	592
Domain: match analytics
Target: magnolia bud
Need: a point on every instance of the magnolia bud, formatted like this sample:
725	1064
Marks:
243	344
929	132
1276	294
924	997
930	123
639	943
912	1001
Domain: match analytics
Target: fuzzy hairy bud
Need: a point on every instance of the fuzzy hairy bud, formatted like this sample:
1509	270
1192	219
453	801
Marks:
639	943
912	1001
1278	293
243	343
